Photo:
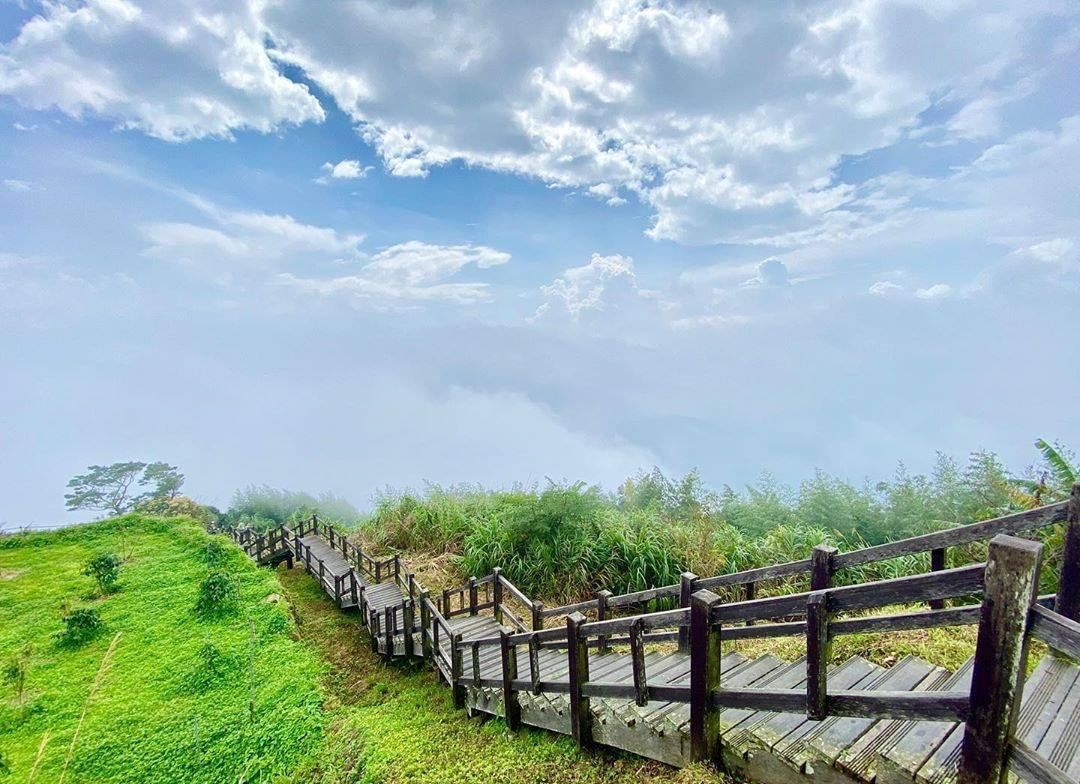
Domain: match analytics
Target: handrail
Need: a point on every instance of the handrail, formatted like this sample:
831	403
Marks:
964	534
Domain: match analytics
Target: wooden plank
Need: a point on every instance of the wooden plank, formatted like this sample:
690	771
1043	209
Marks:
755	575
965	534
1035	768
1012	582
1058	631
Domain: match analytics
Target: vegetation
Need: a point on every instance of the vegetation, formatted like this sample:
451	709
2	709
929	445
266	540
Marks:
164	709
105	569
262	507
110	488
397	725
216	593
565	541
80	626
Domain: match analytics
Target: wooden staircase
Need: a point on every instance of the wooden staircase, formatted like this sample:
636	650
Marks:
657	684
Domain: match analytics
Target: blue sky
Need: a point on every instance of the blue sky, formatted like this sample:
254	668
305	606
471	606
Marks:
387	243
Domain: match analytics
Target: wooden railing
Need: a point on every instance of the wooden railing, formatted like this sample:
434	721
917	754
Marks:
999	596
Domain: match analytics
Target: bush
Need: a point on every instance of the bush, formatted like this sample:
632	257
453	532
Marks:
217	552
105	569
216	593
15	670
5	764
180	506
80	626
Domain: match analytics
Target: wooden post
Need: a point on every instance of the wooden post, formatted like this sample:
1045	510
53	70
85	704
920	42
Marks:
637	662
997	678
445	603
937	564
534	664
388	632
578	653
686	590
537	616
602	598
378	571
497	591
821	568
511	708
750	591
407	625
425	625
817	654
397	568
476	665
472	596
705	656
457	689
1068	596
373	630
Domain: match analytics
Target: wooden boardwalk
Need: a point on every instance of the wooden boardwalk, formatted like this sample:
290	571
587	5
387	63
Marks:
769	720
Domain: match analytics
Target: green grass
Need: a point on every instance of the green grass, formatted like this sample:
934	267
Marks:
156	716
396	724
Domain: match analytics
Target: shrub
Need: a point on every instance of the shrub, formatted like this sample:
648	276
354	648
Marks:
180	506
216	593
80	626
5	764
217	552
105	569
15	670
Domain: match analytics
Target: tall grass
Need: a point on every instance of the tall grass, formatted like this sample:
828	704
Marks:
566	541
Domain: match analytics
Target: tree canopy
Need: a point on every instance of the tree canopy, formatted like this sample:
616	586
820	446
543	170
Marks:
115	488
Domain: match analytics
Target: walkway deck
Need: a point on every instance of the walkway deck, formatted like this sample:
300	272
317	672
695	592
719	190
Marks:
772	746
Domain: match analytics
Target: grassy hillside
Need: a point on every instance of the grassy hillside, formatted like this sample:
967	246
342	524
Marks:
228	696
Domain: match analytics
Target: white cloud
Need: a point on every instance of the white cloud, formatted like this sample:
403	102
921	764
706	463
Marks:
590	287
174	70
935	292
728	119
1057	250
406	274
886	289
346	169
19	186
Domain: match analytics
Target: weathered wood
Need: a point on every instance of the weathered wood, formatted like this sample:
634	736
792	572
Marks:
965	534
497	591
686	591
705	657
578	675
749	594
457	689
637	662
534	665
1068	596
511	707
537	616
425	624
817	654
602	598
1034	768
407	626
997	682
1060	633
937	564
821	567
472	596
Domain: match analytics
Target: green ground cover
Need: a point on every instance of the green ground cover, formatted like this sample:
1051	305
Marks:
224	696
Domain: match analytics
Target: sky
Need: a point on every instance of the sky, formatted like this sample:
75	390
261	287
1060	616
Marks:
363	245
